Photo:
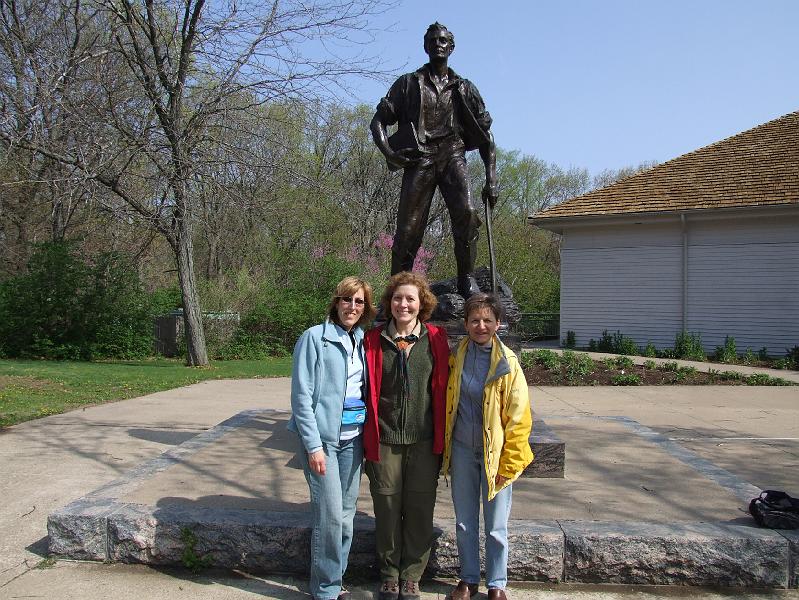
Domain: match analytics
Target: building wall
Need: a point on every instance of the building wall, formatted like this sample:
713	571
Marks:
742	280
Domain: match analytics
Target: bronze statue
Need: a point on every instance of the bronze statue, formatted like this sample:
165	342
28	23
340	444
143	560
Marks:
440	116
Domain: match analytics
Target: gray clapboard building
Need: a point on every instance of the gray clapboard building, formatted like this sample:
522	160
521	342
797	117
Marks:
707	242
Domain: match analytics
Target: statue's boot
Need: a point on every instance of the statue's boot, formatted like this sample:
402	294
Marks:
467	286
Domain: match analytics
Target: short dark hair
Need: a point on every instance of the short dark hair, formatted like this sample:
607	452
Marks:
427	300
349	286
438	27
481	301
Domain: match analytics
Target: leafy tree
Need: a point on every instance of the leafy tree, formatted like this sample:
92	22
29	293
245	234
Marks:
169	75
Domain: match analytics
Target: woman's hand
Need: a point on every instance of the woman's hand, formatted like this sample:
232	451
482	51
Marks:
499	480
317	462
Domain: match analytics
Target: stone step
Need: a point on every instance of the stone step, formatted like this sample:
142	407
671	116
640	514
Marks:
703	554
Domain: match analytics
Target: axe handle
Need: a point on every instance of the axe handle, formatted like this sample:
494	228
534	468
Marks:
492	263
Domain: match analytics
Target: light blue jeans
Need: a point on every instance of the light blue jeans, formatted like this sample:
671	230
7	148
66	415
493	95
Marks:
469	486
333	499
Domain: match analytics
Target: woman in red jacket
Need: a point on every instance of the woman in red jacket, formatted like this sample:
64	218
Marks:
404	434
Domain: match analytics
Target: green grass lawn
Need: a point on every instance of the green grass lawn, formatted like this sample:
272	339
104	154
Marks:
30	389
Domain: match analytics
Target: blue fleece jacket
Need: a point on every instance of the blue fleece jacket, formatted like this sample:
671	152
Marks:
319	384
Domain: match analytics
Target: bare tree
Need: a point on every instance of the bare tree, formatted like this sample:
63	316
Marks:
165	72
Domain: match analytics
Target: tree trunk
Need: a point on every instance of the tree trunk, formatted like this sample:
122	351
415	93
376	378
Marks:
196	352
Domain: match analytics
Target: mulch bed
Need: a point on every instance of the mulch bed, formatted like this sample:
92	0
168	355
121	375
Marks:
603	375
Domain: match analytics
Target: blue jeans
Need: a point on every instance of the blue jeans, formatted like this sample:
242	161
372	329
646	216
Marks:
333	499
469	486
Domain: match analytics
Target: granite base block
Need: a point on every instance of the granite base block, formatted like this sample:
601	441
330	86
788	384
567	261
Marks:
793	550
704	554
79	530
535	552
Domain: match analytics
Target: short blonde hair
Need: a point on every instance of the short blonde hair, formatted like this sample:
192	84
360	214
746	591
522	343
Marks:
349	286
427	300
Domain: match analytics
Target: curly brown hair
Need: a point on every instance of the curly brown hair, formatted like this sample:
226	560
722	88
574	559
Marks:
349	286
427	301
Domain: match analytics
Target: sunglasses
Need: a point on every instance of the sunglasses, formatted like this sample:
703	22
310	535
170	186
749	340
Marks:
351	300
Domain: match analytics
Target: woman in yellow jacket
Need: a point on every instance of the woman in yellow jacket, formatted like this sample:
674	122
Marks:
486	444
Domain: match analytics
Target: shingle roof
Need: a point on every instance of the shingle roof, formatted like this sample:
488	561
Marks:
754	168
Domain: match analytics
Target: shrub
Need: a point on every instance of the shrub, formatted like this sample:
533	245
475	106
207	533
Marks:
549	359
689	346
618	343
626	379
576	365
592	345
605	343
731	376
667	353
571	340
624	362
762	354
763	379
669	366
66	307
749	357
727	353
280	314
527	360
623	344
650	364
792	356
650	350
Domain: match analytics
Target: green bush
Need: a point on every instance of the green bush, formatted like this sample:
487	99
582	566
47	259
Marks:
618	343
792	356
669	366
749	357
571	340
763	379
549	359
626	379
67	308
689	346
527	360
650	364
728	353
650	350
624	362
730	376
281	313
576	365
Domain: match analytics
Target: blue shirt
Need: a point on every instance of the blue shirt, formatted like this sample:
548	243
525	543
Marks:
469	422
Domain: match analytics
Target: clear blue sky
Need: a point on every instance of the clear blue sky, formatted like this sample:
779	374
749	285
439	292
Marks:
609	83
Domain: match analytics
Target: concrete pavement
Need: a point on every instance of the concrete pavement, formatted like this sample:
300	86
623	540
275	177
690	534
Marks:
49	462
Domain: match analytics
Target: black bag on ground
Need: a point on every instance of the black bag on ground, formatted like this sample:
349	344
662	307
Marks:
775	510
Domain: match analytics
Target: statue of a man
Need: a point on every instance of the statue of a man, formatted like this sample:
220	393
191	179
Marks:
440	116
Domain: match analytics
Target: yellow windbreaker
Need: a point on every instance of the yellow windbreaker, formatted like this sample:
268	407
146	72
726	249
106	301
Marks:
507	417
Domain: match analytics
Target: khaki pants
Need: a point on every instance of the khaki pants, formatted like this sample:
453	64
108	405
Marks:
403	486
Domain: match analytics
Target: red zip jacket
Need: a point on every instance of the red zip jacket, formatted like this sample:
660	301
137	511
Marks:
374	361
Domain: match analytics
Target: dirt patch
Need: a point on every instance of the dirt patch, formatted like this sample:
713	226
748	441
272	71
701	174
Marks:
20	381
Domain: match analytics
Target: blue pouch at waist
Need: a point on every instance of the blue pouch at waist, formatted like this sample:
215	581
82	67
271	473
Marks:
354	412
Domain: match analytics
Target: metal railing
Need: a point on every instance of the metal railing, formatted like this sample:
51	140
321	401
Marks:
538	326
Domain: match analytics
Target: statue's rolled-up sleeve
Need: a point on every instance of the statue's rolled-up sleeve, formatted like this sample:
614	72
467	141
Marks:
389	106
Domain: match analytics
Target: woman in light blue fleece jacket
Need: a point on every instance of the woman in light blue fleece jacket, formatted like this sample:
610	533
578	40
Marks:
328	412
